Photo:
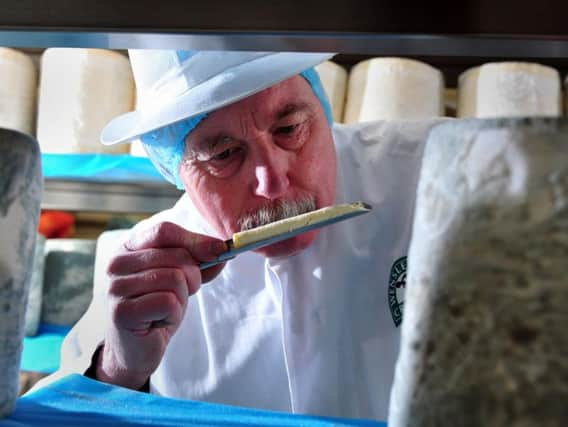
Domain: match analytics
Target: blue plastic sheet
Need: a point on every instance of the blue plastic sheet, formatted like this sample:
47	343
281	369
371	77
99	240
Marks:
79	401
100	167
42	352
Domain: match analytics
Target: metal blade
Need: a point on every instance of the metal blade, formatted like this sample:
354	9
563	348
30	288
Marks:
284	236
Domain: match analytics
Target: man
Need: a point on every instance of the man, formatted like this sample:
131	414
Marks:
308	325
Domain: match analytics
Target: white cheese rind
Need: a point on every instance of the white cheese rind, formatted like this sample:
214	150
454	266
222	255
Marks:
334	80
244	238
509	89
18	91
137	149
393	88
81	90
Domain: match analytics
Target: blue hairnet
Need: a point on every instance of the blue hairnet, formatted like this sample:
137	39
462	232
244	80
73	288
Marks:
166	146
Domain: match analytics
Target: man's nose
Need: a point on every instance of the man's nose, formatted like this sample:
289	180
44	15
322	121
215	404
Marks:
271	173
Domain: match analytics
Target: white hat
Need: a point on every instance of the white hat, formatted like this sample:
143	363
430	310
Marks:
176	85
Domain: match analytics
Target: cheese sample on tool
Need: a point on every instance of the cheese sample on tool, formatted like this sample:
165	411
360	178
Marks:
18	90
286	228
81	90
393	88
334	80
509	89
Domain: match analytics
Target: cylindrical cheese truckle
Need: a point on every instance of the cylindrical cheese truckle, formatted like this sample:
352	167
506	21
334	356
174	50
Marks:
484	339
68	280
137	149
467	93
18	91
393	88
81	90
334	80
20	197
509	89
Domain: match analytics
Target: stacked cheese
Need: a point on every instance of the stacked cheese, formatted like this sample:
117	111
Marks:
18	89
68	280
509	89
137	149
81	90
393	88
334	80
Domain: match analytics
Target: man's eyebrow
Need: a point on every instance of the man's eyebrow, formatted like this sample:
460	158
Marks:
209	142
289	109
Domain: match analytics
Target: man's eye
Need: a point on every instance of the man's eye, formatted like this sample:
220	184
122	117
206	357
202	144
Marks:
224	155
287	130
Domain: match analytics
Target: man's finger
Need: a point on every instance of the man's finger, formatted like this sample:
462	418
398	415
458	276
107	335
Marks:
155	280
169	235
128	263
139	313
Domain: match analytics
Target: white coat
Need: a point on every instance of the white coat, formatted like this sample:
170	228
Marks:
314	333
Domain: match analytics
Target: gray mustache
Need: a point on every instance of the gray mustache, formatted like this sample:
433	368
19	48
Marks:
280	209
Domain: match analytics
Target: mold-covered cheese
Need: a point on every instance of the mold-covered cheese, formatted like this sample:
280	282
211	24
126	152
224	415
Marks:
509	89
484	338
20	197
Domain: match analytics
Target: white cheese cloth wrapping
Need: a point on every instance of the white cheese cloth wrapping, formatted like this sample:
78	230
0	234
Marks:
20	196
312	333
334	80
484	339
393	88
81	90
18	91
509	89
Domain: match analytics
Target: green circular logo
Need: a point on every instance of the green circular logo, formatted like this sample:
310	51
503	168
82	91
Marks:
397	285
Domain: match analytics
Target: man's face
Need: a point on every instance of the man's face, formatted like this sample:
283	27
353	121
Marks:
269	150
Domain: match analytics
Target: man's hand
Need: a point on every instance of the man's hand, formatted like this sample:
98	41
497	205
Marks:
150	282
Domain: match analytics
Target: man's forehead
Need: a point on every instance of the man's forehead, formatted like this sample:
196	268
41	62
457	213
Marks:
271	105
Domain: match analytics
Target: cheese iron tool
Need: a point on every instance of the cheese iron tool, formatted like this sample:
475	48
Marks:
286	228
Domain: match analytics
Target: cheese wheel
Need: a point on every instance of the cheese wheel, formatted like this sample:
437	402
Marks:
20	197
81	90
68	280
334	80
509	89
484	330
393	88
467	93
18	91
137	149
33	309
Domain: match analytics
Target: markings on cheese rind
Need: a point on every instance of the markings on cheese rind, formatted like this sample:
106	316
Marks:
286	225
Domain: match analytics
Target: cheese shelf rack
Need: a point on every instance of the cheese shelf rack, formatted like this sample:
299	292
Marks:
449	35
80	195
480	28
117	183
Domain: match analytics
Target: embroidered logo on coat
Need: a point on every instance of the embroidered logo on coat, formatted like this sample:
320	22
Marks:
397	285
